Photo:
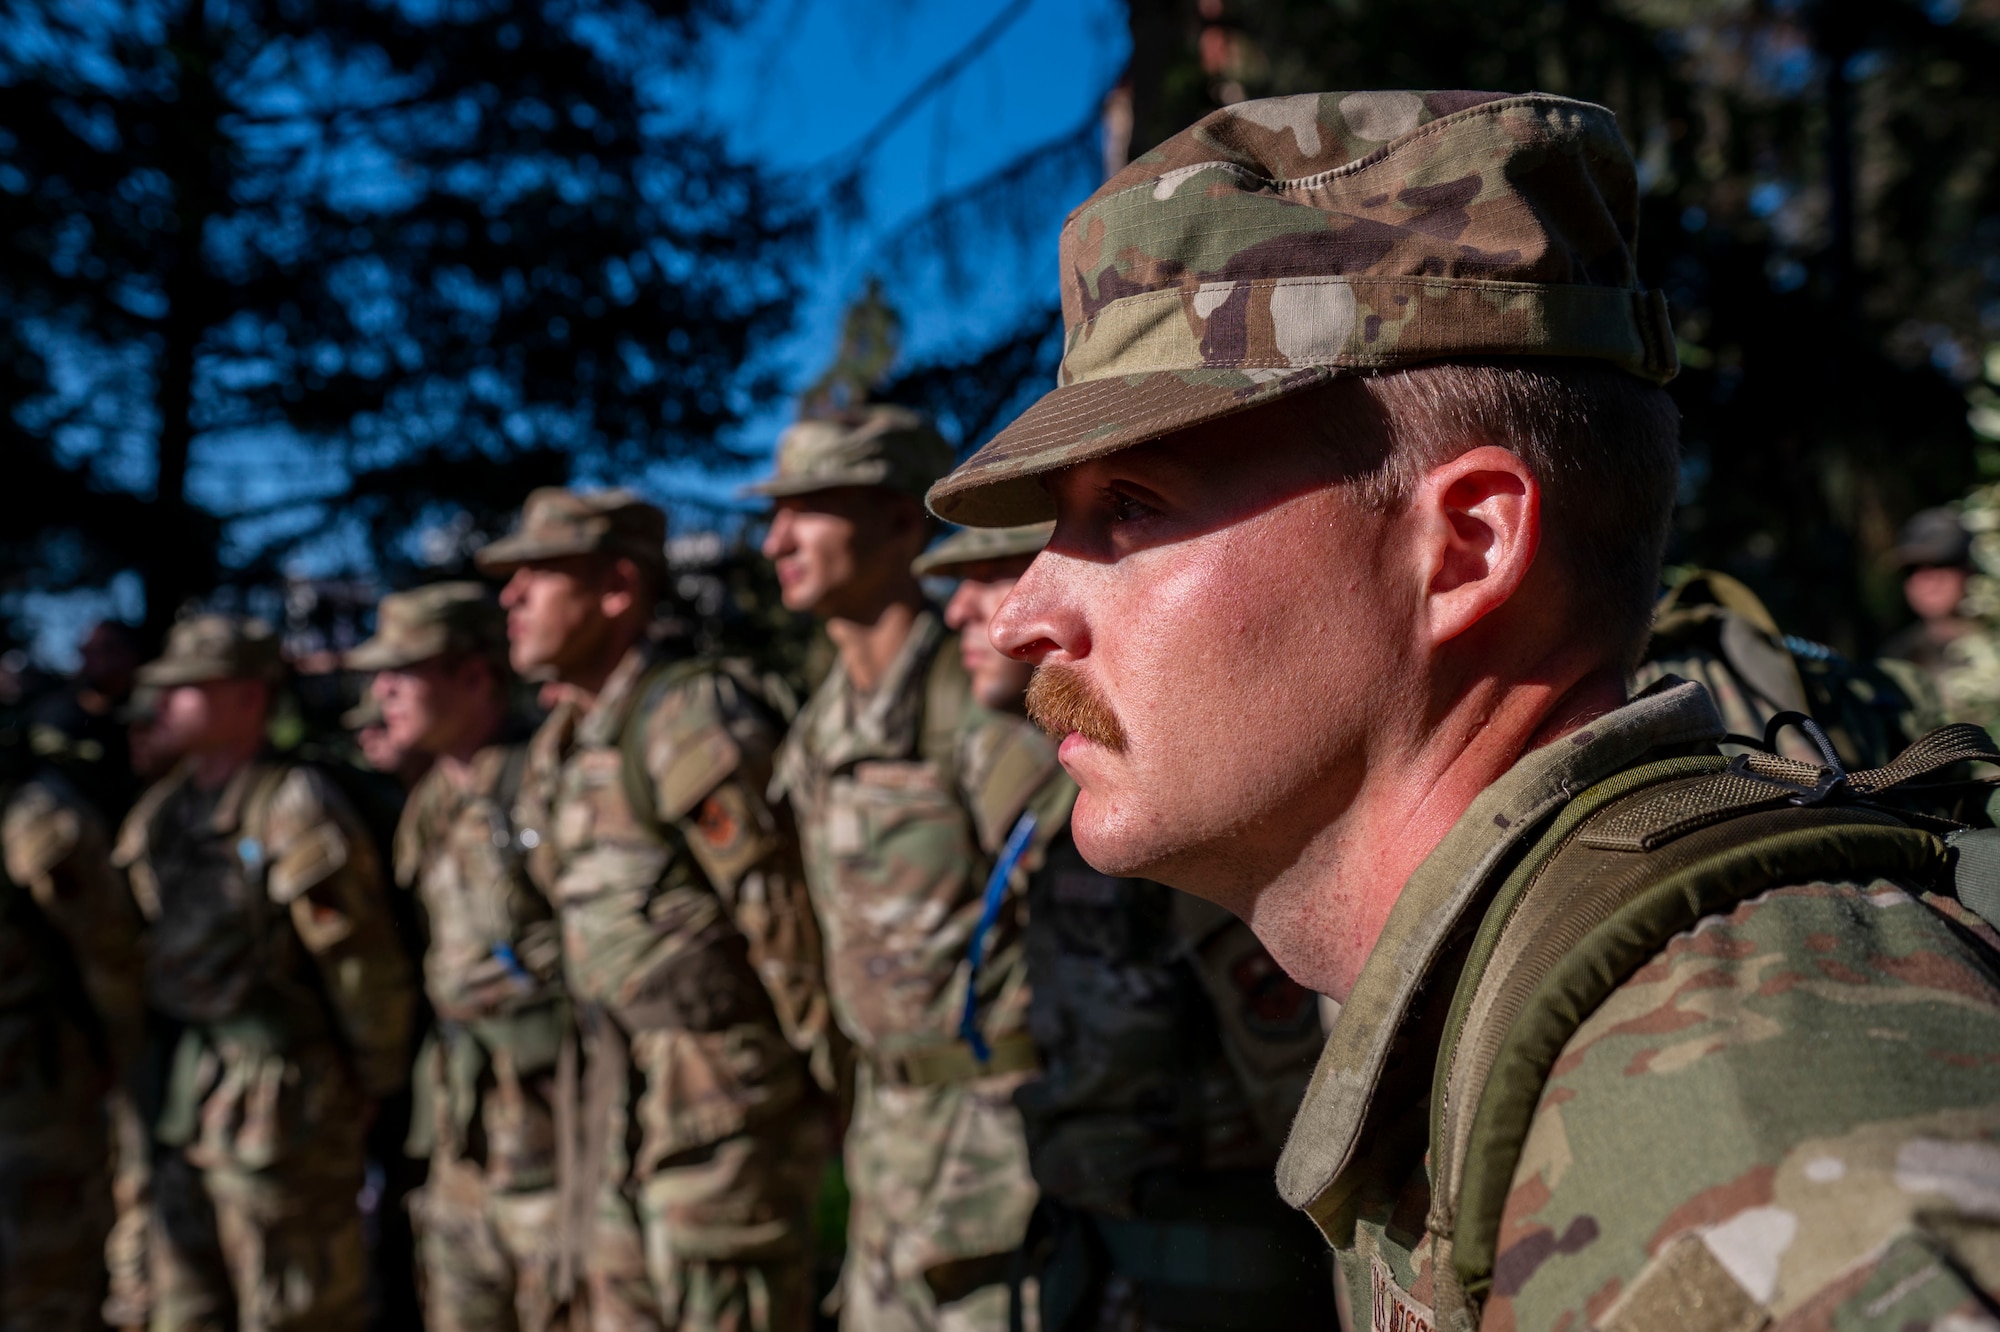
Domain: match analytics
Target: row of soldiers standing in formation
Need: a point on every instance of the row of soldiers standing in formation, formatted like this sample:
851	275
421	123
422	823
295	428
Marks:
1634	1036
677	955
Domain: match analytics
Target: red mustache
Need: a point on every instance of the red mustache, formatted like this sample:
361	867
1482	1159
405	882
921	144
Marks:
1061	699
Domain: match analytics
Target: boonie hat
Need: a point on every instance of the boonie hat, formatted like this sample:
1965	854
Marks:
971	545
1280	243
215	647
428	622
557	521
888	446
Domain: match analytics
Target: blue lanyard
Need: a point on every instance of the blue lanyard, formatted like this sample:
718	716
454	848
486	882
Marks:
975	947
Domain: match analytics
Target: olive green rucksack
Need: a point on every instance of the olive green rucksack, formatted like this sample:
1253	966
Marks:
1626	866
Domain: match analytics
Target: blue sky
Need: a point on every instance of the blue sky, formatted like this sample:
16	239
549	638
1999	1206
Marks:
796	86
809	77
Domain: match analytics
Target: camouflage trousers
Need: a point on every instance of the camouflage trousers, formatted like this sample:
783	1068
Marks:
55	1188
488	1258
271	1250
942	1197
716	1239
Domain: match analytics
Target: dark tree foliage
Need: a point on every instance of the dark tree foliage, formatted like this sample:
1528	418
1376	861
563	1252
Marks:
453	248
1821	205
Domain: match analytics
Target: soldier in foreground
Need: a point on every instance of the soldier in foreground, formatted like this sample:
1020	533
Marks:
485	1096
1174	1052
644	814
272	949
906	791
71	1018
1681	1046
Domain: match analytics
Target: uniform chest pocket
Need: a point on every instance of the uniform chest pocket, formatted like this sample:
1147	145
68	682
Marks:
592	807
897	811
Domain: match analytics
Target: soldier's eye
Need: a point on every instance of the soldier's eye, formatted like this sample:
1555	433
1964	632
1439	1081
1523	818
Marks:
1124	507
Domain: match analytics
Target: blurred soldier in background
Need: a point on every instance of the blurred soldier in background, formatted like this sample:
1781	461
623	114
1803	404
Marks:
81	727
645	818
1174	1052
1934	554
71	1018
906	791
379	748
270	943
485	1079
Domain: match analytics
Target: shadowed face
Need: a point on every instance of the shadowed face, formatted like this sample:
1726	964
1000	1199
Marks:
1935	591
998	681
1211	640
428	707
555	613
836	550
210	716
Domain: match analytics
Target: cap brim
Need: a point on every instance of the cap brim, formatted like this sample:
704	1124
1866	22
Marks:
999	486
776	487
376	655
510	553
166	673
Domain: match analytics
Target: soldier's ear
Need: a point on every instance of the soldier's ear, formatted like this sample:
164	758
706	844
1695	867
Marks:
624	588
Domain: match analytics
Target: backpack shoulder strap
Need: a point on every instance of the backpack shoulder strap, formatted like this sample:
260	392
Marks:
947	698
638	782
1624	868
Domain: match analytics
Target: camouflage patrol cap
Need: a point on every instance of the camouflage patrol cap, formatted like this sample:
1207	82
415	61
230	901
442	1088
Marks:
1932	537
883	445
428	622
1280	243
971	545
557	521
215	647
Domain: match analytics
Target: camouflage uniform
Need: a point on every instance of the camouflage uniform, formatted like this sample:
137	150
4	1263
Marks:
1801	1088
904	796
1788	1114
271	945
71	1011
1966	670
703	1133
899	836
1174	1052
485	1081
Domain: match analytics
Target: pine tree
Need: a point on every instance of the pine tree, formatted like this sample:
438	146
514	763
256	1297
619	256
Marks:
453	251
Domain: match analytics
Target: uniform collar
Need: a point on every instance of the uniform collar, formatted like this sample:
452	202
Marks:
1315	1173
606	718
849	725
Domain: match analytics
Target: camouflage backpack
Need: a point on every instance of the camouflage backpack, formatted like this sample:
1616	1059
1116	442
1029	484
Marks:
1626	866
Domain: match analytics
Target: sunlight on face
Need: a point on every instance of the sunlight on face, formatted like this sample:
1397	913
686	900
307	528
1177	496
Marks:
1238	624
554	612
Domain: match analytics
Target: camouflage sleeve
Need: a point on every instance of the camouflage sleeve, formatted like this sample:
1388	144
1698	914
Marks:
710	747
58	848
324	870
1792	1113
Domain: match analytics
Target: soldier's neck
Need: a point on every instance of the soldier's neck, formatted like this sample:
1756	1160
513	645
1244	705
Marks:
584	680
211	768
868	645
455	757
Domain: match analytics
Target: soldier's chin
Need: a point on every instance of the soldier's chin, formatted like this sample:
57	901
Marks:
1114	837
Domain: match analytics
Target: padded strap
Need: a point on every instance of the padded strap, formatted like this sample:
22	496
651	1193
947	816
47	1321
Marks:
1626	867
